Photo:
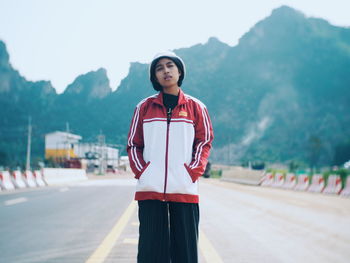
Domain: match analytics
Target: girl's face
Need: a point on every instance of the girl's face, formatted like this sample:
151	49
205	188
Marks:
167	73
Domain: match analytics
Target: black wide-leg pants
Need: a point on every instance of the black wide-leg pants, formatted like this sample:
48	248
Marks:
168	232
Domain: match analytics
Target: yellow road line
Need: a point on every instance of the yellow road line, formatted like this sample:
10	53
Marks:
132	241
208	250
107	244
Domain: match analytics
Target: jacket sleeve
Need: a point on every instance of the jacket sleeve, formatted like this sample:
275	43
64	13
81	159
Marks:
202	143
135	144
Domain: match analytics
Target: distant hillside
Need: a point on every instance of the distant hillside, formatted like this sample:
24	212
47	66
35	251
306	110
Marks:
281	94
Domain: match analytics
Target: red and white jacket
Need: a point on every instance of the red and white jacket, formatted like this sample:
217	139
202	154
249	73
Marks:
167	158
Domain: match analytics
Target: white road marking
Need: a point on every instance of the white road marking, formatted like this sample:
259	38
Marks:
108	182
208	251
132	241
107	244
16	201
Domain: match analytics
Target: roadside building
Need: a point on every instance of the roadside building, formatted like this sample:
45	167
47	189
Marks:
66	150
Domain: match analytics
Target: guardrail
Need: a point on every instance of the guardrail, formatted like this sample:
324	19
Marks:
290	181
11	181
302	182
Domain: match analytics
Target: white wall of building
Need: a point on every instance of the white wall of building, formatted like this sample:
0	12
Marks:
61	140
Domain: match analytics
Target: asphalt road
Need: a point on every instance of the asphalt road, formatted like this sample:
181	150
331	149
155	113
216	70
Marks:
63	224
238	224
260	224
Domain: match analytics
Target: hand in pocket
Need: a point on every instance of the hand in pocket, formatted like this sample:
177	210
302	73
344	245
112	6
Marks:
190	172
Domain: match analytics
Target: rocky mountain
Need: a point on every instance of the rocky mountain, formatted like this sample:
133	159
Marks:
280	95
288	82
90	86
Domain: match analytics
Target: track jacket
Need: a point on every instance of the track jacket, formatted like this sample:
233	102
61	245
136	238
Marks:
167	157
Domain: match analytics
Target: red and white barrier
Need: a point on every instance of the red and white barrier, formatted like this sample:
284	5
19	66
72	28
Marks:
279	180
19	181
267	180
30	179
7	182
346	190
39	178
290	181
302	182
333	185
317	184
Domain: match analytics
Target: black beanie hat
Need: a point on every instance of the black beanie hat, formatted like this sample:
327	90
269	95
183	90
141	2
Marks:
178	62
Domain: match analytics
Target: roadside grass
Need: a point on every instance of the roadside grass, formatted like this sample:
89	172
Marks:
215	173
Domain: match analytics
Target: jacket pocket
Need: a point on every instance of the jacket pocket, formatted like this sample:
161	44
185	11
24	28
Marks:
142	171
190	173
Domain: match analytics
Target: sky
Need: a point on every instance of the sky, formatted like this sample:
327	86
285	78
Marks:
58	40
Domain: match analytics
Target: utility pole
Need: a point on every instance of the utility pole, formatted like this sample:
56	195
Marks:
101	142
229	148
29	142
67	142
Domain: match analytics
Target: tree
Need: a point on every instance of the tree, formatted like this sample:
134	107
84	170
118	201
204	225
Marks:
314	151
3	158
342	153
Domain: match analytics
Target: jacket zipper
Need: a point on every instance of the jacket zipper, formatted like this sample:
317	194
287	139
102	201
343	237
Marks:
169	112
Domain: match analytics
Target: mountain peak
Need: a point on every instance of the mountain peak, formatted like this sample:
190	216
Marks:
286	11
214	41
94	84
284	23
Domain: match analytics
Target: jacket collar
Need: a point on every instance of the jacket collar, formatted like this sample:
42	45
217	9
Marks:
159	98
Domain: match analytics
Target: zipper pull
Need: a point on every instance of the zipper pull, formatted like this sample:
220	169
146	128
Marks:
169	114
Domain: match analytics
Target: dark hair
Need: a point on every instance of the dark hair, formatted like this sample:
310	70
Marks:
153	77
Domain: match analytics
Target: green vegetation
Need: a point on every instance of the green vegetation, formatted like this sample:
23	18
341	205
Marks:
215	173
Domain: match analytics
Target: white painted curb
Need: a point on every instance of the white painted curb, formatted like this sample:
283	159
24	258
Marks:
30	179
317	184
303	182
19	180
39	178
333	185
59	176
7	181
